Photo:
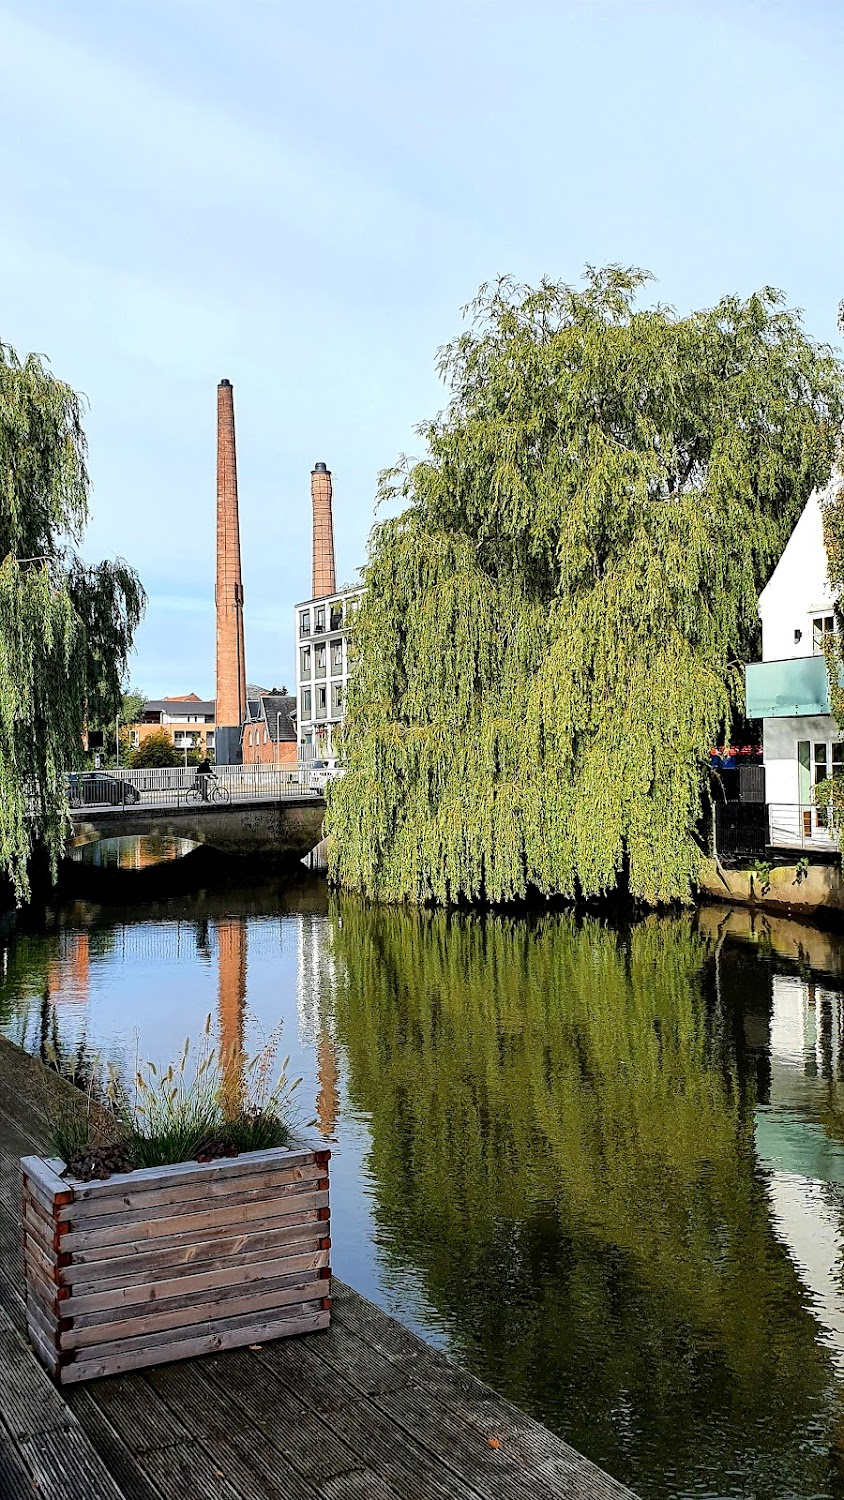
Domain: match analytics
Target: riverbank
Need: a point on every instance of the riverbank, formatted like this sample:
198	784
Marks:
365	1411
808	888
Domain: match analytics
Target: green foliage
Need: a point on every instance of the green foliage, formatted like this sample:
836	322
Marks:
66	628
155	749
132	706
551	632
762	868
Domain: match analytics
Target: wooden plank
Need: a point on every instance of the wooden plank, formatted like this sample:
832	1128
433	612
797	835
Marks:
198	1302
42	1179
15	1481
40	1202
38	1222
150	1344
66	1467
94	1335
46	1262
37	1289
206	1281
120	1462
30	1402
287	1420
190	1348
42	1331
233	1443
147	1179
245	1188
154	1228
184	1253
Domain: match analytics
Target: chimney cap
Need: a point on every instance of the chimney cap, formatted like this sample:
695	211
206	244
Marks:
320	468
225	382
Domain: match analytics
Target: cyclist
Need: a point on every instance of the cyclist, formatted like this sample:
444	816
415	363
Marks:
203	773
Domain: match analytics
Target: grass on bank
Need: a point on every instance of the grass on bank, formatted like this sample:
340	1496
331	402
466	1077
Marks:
218	1103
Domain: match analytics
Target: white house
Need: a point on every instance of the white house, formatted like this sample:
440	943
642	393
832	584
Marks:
323	667
789	689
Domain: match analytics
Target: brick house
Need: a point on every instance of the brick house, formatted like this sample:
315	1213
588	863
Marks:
269	734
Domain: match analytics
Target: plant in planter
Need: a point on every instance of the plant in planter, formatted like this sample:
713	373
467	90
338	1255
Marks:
178	1220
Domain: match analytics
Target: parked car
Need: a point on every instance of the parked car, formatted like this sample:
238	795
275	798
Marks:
93	788
320	772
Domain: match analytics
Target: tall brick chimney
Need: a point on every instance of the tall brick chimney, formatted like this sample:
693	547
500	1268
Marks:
323	579
231	660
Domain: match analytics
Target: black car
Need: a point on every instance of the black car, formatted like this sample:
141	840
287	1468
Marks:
95	788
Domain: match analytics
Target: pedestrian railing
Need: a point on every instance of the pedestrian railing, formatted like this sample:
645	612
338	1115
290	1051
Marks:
751	828
183	786
802	825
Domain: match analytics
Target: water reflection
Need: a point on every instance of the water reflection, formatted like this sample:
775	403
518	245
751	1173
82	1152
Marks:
604	1167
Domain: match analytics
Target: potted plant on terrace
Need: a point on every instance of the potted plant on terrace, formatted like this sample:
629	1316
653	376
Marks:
179	1219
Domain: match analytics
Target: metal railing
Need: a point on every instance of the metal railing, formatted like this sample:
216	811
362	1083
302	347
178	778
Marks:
750	828
801	825
181	787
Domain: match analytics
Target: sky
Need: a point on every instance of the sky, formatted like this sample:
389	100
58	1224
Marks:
301	198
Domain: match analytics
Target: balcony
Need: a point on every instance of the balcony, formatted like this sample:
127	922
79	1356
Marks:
787	689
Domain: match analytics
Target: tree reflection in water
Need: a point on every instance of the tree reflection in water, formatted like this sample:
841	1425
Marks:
563	1151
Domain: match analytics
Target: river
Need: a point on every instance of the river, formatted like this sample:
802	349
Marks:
602	1166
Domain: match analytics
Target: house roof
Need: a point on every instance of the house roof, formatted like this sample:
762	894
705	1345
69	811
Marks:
192	705
278	710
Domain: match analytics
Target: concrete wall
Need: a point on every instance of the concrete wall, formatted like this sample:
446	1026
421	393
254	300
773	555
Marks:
820	890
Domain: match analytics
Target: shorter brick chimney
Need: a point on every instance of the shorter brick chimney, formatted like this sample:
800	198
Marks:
323	578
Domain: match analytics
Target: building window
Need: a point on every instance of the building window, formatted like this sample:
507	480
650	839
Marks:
305	661
320	702
305	622
336	615
822	625
336	698
306	703
319	661
336	658
319	618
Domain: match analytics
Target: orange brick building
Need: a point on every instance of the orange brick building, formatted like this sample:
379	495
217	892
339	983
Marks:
269	734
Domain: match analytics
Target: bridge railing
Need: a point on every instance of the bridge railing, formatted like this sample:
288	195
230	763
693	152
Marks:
181	787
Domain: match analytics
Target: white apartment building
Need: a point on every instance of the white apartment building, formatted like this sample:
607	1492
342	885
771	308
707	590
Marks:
789	689
322	670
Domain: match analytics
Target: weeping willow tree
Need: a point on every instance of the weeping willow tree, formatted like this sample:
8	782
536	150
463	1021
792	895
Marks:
66	627
553	627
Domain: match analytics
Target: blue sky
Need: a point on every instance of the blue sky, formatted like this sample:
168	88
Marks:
301	197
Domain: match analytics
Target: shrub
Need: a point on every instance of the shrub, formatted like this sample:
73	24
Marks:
226	1104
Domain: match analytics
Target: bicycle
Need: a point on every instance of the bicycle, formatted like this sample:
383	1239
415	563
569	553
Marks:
214	793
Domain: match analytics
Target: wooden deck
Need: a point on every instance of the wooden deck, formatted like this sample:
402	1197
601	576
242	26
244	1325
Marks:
366	1411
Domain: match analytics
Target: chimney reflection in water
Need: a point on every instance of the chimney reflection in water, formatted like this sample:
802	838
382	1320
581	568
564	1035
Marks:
231	1004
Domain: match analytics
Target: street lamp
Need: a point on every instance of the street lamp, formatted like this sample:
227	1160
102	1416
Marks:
117	741
278	738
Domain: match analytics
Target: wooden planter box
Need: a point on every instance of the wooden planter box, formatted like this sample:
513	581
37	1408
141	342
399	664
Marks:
169	1262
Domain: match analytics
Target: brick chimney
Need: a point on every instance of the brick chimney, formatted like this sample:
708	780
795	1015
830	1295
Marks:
323	579
231	663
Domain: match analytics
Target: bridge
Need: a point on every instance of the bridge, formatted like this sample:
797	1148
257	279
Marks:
251	810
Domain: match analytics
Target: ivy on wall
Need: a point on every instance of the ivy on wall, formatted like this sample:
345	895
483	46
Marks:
553	627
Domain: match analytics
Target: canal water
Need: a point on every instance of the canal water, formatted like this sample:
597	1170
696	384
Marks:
602	1166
